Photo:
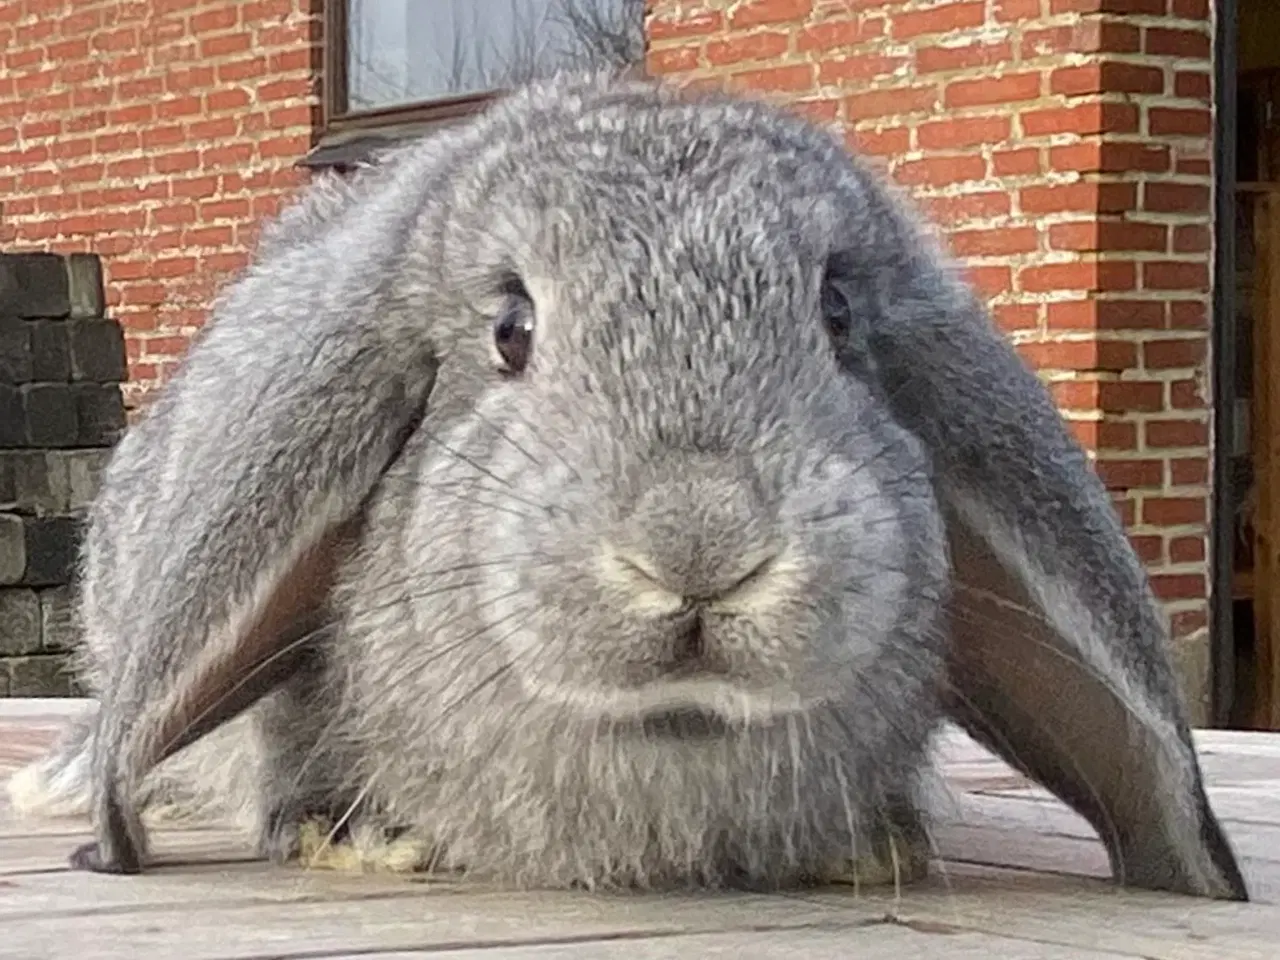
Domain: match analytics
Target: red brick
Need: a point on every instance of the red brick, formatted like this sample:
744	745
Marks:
995	242
830	35
941	171
1079	275
235	98
1014	10
753	13
1093	314
891	103
225	45
661	61
1192	238
1193	85
1080	355
1189	471
737	48
1075	394
1107	6
187	79
1175	275
1116	435
237	209
1097	235
939	59
236	71
1092	35
1173	511
1193	166
1176	433
1023	161
209	21
1150	550
942	18
1187	550
1173	121
962	132
289	61
1084	119
1186	395
1130	396
1164	197
292	88
1108	76
1178	586
967	207
178	107
890	142
1163	42
1111	157
989	281
1188	315
1015	316
859	68
1083	196
1165	354
792	78
1102	315
992	90
1127	474
111	41
220	128
1085	432
823	111
179	162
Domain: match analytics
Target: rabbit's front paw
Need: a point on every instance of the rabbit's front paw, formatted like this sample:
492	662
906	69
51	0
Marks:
897	854
366	848
289	828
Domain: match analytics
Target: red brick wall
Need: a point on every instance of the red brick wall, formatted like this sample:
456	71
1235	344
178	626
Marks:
1064	147
155	133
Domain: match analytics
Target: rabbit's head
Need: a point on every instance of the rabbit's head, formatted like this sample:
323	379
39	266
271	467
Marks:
691	514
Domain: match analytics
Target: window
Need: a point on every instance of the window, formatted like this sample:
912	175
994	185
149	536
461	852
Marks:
414	62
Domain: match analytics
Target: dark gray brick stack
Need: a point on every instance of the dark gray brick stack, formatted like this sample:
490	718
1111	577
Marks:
62	361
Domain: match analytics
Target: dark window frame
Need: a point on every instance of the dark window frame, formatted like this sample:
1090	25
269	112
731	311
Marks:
349	137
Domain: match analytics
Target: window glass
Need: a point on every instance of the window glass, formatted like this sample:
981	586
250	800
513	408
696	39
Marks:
410	51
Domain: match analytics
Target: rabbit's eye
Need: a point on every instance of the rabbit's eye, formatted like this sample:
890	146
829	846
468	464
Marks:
837	313
844	312
513	333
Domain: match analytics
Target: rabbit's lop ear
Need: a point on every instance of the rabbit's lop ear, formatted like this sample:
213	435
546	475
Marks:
227	510
1059	660
262	492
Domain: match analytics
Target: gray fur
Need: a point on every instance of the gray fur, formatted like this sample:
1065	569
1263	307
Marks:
501	622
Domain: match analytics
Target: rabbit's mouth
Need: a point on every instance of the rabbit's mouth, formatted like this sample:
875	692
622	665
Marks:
684	723
690	710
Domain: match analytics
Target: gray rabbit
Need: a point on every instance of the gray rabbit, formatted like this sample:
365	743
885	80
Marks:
617	491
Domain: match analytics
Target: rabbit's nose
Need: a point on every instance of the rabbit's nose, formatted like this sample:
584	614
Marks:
700	537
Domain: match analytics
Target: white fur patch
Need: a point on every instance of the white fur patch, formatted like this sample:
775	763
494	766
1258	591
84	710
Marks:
50	788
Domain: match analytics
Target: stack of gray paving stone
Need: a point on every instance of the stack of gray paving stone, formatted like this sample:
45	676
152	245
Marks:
62	361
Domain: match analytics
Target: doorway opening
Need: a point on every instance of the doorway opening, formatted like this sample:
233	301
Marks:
1250	441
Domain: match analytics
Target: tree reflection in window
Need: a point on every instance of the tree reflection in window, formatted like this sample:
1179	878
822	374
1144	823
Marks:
402	52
